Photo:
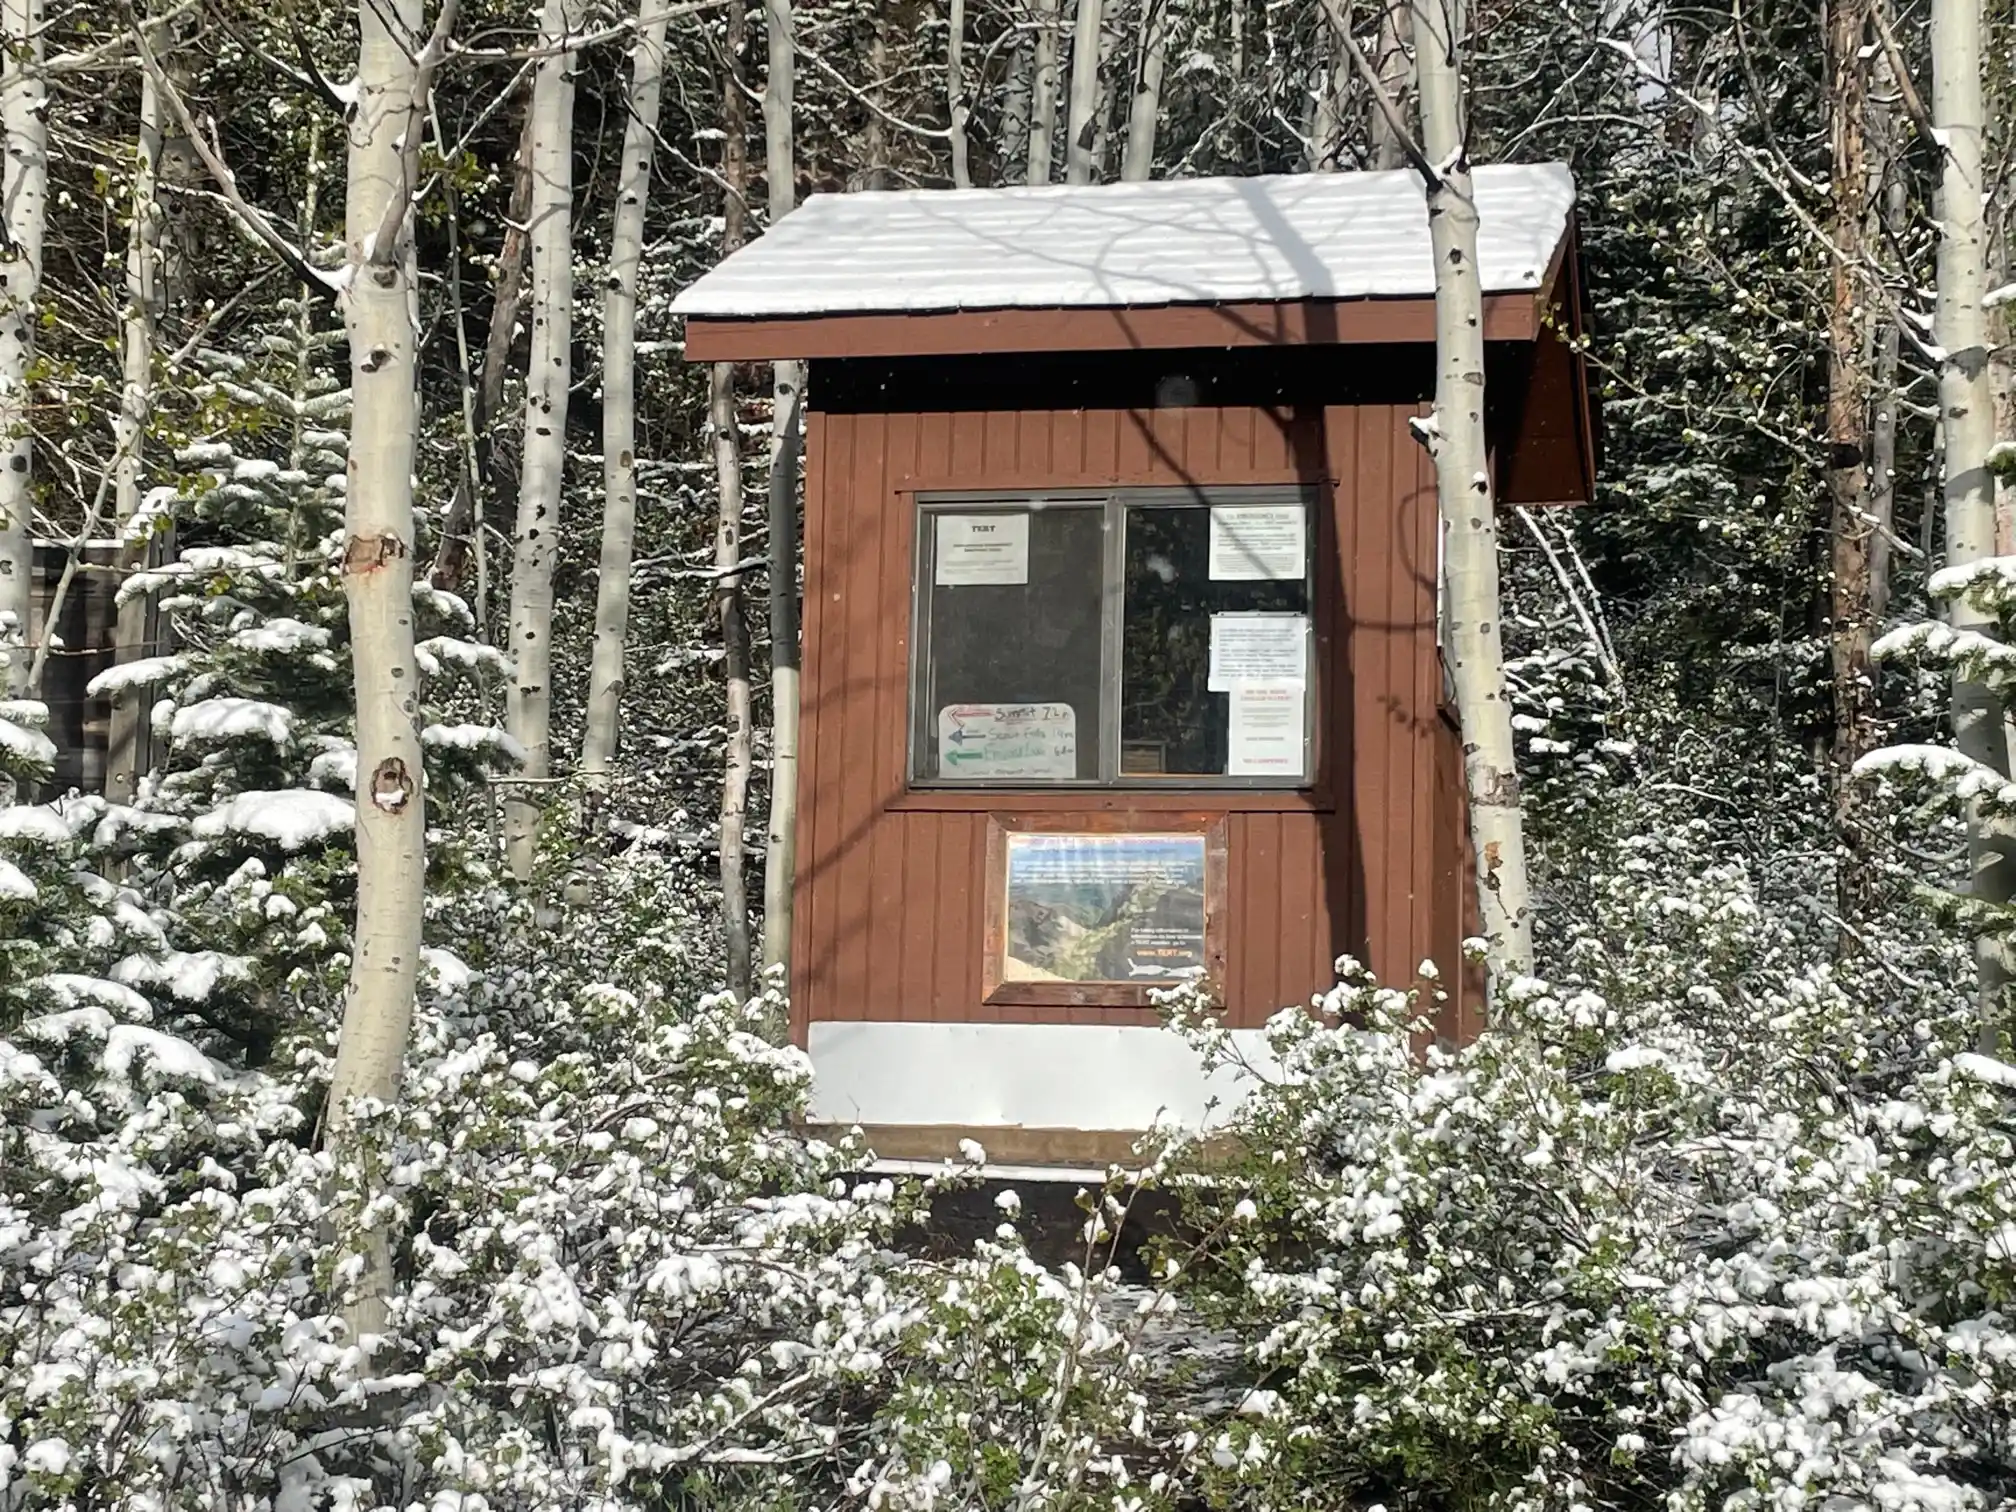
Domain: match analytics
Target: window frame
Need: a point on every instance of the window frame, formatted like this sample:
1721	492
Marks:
1114	503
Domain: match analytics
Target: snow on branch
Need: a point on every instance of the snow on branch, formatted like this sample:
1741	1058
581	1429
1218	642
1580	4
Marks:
292	819
1971	781
1971	654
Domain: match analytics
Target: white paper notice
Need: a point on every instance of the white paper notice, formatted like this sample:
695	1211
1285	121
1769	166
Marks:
1260	543
1265	737
1038	741
977	549
1261	648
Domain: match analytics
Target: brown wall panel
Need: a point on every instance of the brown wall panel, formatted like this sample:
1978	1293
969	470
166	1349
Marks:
889	913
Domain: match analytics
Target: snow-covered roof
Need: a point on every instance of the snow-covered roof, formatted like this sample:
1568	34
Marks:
1176	241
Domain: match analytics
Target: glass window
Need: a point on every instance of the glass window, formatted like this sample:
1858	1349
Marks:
1138	638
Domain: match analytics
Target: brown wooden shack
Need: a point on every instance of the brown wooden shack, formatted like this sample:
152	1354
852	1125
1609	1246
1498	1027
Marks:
1120	640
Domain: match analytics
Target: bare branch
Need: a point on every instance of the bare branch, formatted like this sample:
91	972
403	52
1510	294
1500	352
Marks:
425	62
254	221
929	133
111	53
1333	12
1914	103
311	75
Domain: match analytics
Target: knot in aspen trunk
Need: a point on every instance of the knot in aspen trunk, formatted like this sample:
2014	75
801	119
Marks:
391	785
369	553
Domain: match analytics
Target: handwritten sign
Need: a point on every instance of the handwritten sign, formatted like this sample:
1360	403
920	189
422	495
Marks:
1035	742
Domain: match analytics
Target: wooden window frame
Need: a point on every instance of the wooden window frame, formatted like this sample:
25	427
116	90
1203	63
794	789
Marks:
1099	994
1116	502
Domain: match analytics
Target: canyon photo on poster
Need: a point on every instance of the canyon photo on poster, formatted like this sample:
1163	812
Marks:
1104	908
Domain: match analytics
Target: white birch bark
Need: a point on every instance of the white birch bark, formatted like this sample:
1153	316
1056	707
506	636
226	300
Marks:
1395	30
955	93
1455	435
619	401
126	746
735	643
1144	109
1014	150
726	436
1043	94
380	312
1967	423
1326	118
528	701
24	189
787	386
1082	121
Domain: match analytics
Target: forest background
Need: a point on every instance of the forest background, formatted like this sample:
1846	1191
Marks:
1720	1212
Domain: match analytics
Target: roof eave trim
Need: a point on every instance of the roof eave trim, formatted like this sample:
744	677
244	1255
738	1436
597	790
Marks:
1508	316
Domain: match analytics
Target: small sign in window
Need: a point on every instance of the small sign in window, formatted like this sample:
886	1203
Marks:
1009	742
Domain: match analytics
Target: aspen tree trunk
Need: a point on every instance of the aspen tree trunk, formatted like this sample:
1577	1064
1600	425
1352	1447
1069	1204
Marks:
956	109
127	751
1396	30
1967	423
728	542
619	400
1145	107
1883	456
528	702
1081	124
1891	213
1043	94
1326	123
787	386
1847	443
1455	435
875	134
1015	112
462	530
1102	105
380	312
24	189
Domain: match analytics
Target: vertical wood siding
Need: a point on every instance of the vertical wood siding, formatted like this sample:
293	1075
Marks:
888	920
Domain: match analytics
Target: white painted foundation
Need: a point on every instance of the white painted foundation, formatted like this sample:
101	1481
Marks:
1030	1076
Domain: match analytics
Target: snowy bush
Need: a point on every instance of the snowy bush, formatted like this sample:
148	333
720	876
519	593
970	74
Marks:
623	1281
1692	1226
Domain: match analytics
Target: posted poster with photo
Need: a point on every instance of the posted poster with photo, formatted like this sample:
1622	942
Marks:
976	550
1258	648
1027	741
1104	908
1258	543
